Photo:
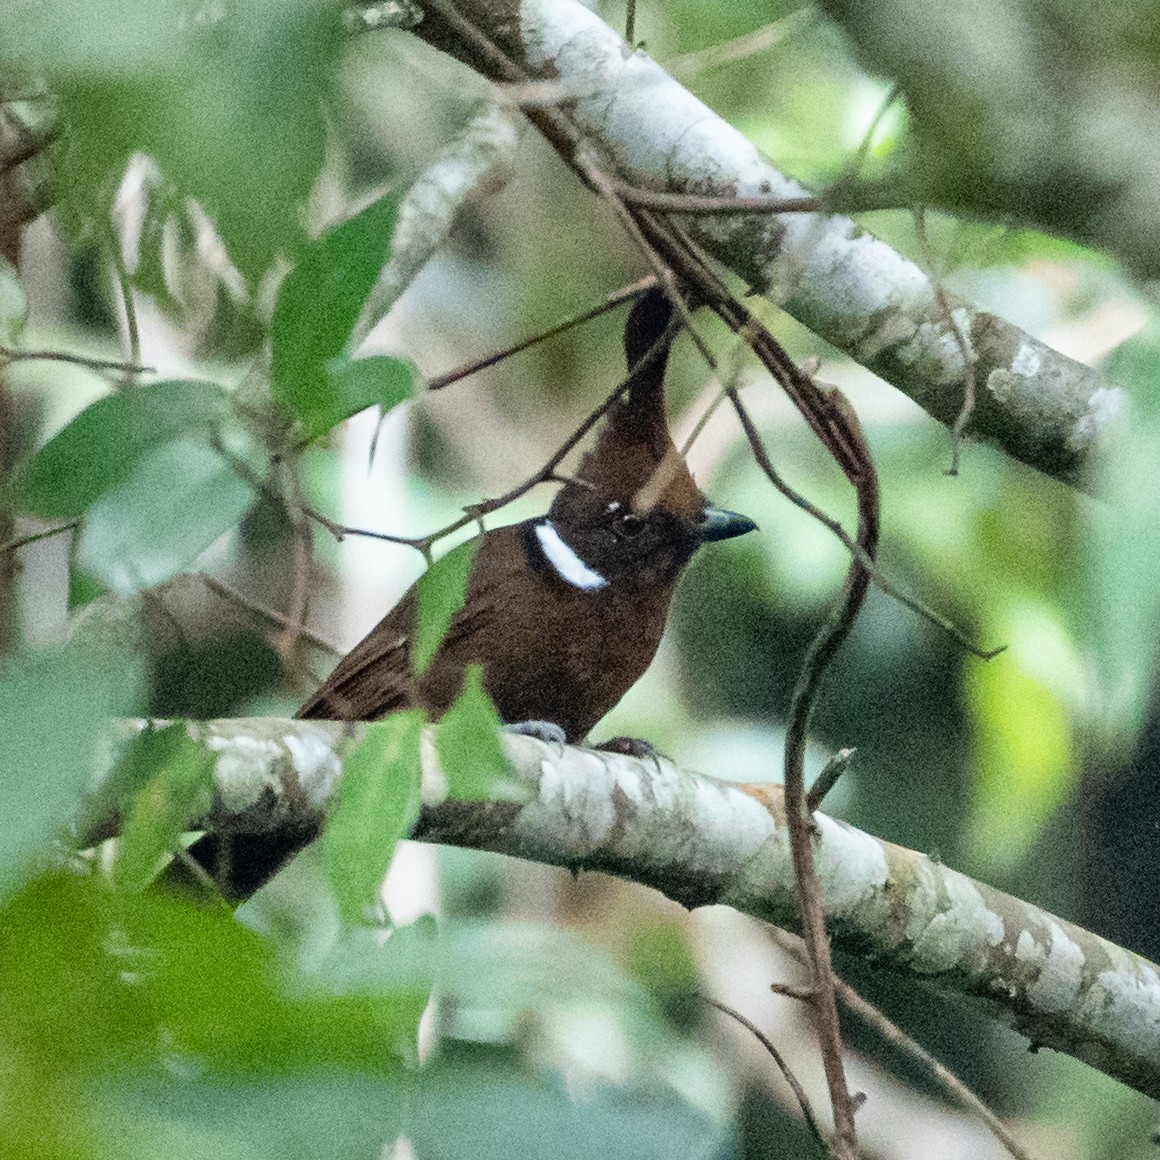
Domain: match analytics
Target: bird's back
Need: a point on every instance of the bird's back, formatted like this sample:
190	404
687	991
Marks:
550	651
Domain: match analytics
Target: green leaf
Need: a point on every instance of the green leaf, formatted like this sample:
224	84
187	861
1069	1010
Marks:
439	596
103	445
470	747
378	802
178	792
136	764
481	1104
179	498
403	969
229	104
1117	597
351	385
318	304
1021	706
54	706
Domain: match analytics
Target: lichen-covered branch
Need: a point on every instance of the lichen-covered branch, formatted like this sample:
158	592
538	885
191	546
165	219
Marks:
702	842
474	165
846	285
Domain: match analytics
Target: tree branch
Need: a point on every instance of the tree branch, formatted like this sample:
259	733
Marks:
704	842
843	283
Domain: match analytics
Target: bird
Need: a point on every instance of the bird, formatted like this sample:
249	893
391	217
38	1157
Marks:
564	611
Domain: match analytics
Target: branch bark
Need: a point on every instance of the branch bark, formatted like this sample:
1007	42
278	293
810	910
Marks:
850	288
705	842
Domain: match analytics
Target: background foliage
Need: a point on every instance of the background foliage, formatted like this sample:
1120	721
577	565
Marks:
136	1023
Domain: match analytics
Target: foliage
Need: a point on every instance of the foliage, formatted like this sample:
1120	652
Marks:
136	1024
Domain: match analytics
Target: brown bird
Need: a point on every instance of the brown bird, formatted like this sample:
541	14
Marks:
564	611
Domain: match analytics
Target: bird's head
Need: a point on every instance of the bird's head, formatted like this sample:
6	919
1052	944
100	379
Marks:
633	510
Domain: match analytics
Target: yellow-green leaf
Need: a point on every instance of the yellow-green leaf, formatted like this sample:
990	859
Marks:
440	593
378	802
470	748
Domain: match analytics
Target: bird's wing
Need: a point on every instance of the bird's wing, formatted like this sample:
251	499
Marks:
374	678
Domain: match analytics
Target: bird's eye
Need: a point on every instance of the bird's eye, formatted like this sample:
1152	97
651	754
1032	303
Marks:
628	525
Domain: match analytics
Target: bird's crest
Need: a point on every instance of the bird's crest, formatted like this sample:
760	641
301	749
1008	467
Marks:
635	460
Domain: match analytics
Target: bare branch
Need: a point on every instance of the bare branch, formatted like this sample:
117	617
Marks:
474	165
705	842
830	274
793	1081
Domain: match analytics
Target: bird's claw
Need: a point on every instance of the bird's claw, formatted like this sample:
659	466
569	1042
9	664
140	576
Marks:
546	731
630	747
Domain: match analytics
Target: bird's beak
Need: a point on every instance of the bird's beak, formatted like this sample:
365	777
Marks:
719	524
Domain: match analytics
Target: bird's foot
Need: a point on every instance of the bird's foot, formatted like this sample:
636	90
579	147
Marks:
546	731
630	747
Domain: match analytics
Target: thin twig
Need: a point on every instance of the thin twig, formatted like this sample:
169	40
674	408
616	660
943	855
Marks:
610	302
828	778
761	456
203	878
8	355
854	167
694	203
299	591
720	394
341	531
603	184
741	47
885	1027
795	1085
939	1073
796	991
823	647
303	551
548	473
231	594
125	287
968	407
630	22
18	542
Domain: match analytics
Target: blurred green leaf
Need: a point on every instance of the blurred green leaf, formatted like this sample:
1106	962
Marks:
439	595
320	1113
104	37
378	802
136	763
1117	593
351	385
144	1025
661	958
166	234
54	707
150	1018
1025	764
470	747
477	1106
178	791
180	497
318	304
104	444
403	967
228	100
